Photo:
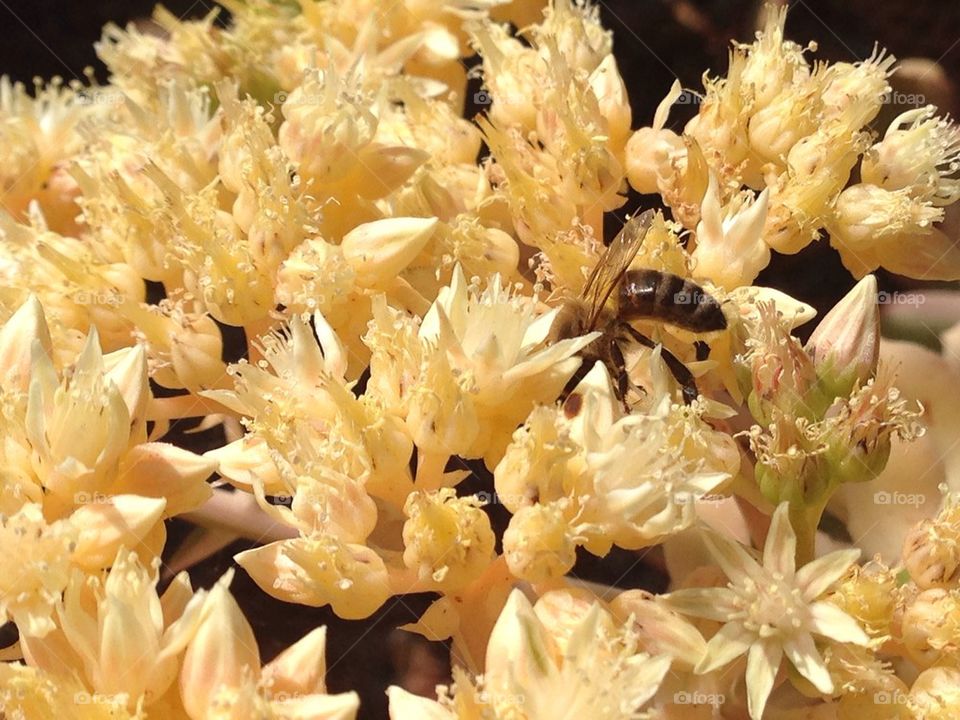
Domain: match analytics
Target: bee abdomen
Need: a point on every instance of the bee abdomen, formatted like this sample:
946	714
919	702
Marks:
671	298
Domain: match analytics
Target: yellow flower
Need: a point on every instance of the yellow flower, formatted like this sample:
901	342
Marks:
221	675
117	632
919	153
447	540
34	570
493	359
626	480
771	609
31	693
536	668
730	250
318	570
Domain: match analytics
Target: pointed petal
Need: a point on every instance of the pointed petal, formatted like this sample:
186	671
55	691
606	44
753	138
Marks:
763	661
709	603
342	706
779	551
805	657
732	641
121	520
405	706
16	342
830	621
815	577
646	676
161	470
519	650
733	559
301	668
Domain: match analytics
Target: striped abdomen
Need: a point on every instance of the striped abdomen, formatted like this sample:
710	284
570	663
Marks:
671	298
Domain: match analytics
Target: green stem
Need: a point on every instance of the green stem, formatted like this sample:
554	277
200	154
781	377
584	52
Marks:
805	520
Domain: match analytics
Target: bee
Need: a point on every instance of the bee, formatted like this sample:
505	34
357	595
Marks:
615	295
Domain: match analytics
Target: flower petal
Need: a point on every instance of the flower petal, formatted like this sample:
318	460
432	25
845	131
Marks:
763	661
830	621
732	641
803	653
779	551
738	564
815	577
709	603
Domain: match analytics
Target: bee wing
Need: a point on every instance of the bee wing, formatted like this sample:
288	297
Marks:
612	265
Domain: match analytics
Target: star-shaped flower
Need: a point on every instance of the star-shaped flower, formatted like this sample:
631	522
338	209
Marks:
771	610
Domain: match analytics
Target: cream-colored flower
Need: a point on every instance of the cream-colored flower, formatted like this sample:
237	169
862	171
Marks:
319	569
920	153
221	675
117	632
730	250
447	540
31	693
493	359
772	609
618	479
35	568
872	227
539	670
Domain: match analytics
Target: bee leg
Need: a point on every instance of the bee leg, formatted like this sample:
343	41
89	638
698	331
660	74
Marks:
679	371
623	379
575	380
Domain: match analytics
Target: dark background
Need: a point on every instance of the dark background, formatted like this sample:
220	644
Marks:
655	41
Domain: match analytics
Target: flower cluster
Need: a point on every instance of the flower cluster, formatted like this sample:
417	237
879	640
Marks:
431	375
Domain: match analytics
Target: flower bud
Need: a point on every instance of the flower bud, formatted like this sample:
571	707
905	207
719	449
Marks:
845	347
196	349
539	544
381	170
607	85
930	627
16	341
931	559
447	539
105	527
648	156
936	693
222	655
378	251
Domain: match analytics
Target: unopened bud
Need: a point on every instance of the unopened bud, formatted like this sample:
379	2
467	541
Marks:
539	545
379	250
845	347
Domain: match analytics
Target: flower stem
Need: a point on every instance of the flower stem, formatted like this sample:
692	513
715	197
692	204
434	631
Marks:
806	520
